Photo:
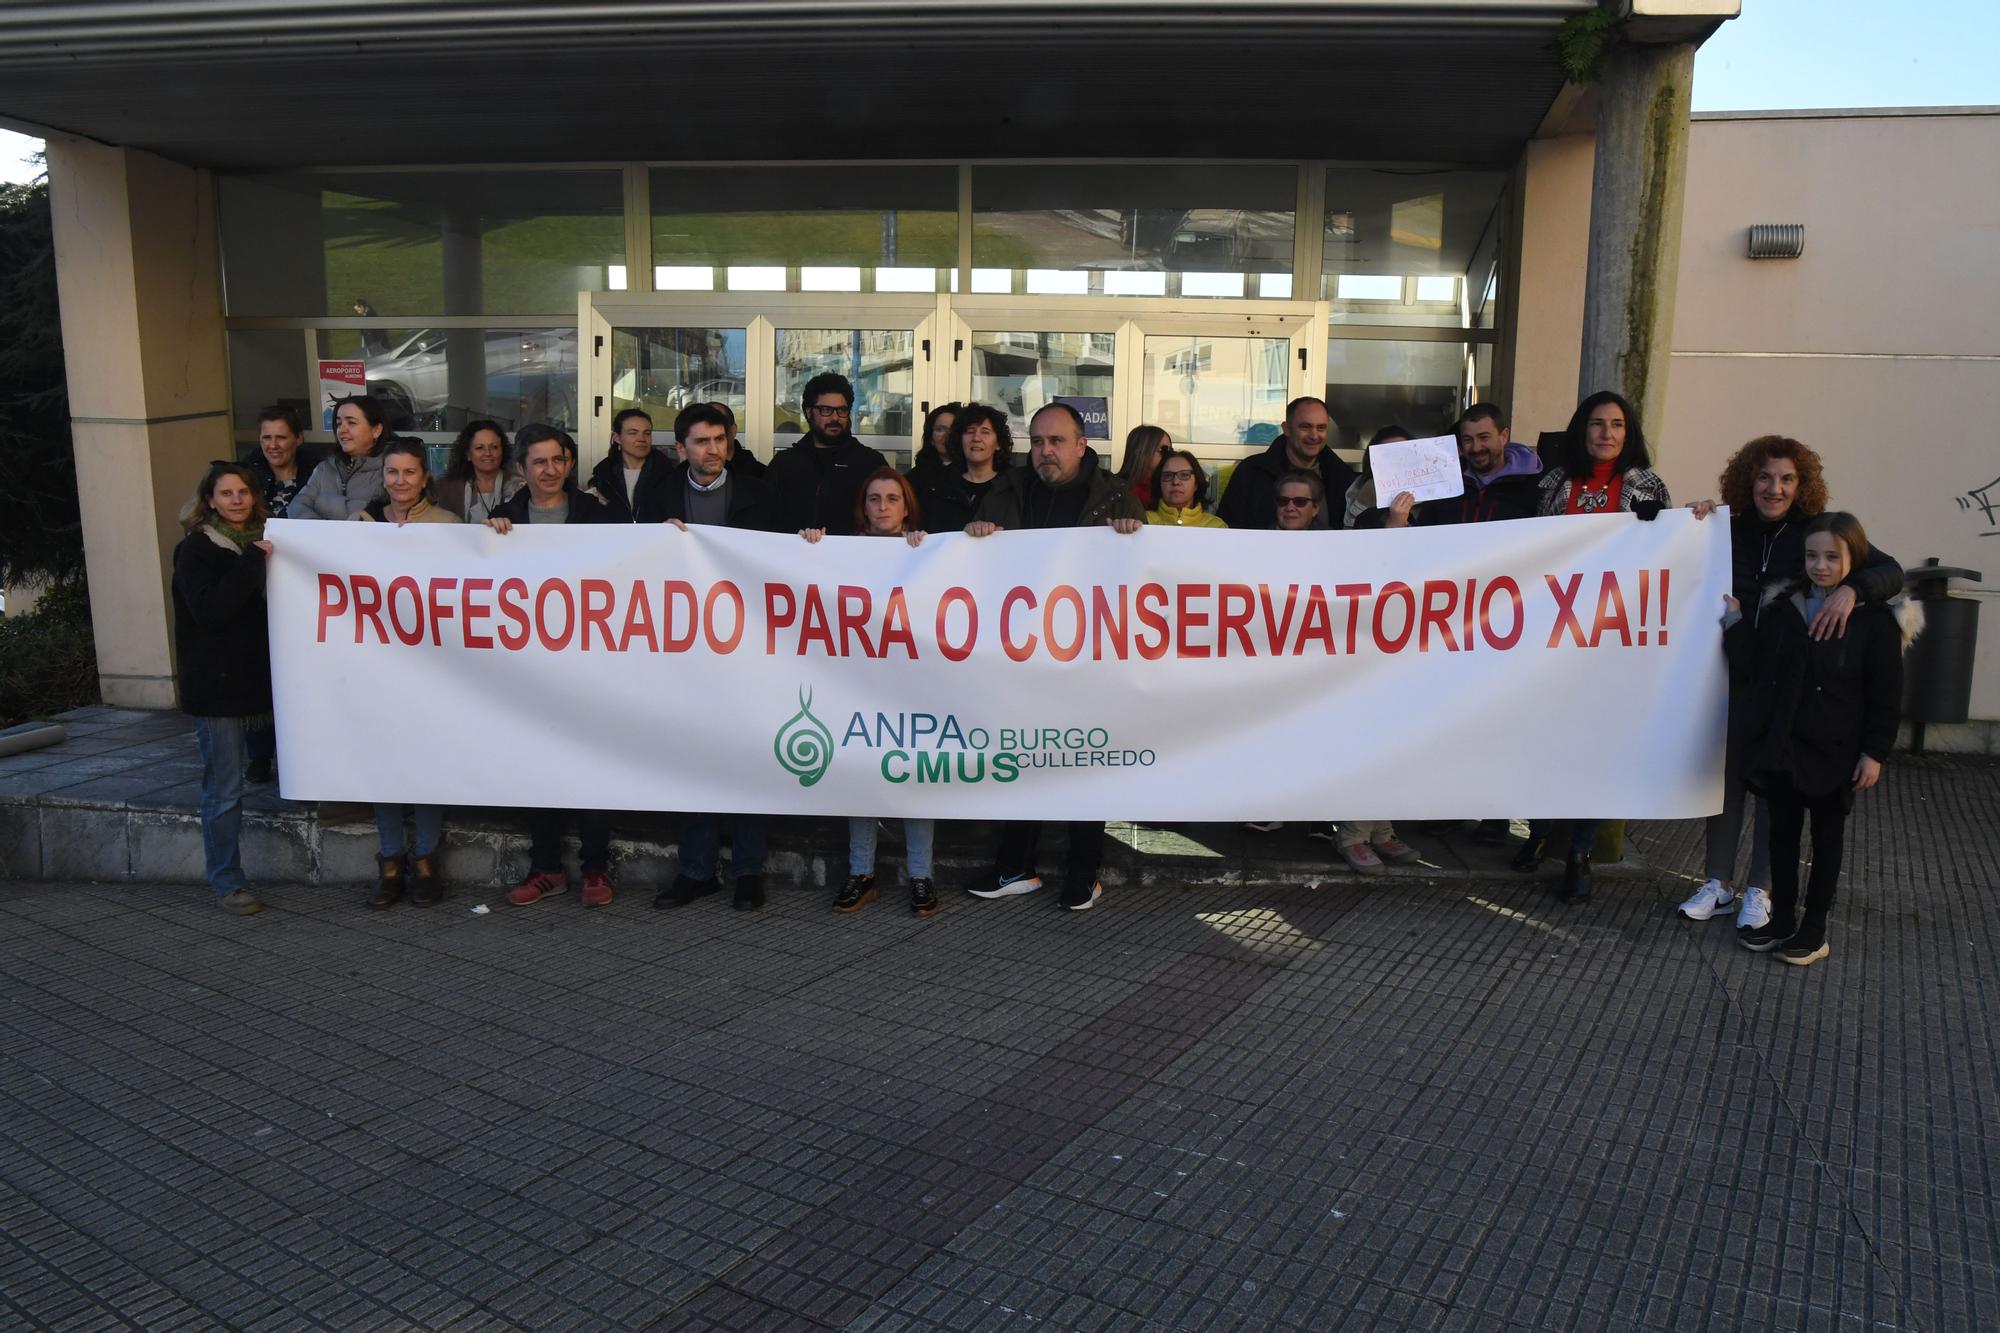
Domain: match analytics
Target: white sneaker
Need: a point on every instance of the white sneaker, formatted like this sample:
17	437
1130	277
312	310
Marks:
1755	913
1710	900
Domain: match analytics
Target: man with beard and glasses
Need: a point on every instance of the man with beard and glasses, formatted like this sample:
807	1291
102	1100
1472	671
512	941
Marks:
816	481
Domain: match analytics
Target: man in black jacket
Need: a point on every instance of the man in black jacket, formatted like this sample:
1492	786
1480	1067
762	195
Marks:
1062	487
1502	479
704	487
632	477
1251	501
815	481
548	459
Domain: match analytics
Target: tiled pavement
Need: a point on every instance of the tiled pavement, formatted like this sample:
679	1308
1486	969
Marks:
1443	1104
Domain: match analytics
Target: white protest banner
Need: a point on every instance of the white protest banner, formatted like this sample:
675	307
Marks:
1428	469
1559	666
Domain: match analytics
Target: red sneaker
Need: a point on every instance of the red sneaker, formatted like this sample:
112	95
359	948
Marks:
596	890
538	885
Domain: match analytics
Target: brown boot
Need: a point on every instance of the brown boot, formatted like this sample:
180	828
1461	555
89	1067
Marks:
388	883
425	886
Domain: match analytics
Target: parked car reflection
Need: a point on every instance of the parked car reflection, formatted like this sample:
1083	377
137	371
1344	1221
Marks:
514	376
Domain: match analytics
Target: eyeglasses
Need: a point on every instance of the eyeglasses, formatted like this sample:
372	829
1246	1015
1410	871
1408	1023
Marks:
831	411
1177	476
1294	501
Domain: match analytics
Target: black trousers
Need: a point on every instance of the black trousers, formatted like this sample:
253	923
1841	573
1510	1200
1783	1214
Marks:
1789	808
593	832
1018	840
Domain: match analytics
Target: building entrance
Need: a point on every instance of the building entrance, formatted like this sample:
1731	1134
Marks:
1216	379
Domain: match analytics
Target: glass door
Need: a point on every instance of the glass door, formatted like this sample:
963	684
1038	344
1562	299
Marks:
756	355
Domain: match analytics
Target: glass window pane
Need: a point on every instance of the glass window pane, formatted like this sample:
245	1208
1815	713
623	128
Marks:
1152	230
1385	225
1020	373
665	370
1204	390
1371	383
799	228
879	362
420	243
436	380
267	368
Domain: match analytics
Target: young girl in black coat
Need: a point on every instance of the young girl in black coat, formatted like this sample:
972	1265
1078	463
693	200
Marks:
1820	720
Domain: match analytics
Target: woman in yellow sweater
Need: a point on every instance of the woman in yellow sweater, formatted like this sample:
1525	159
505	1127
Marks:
1180	489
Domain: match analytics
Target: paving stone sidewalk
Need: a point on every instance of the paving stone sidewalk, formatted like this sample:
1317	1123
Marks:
1446	1104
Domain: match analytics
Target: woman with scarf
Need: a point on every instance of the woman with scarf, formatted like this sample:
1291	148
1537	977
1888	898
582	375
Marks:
346	483
406	476
1601	468
222	658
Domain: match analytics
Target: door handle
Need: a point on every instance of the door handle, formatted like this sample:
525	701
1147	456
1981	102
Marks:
1302	358
957	346
597	406
598	350
927	349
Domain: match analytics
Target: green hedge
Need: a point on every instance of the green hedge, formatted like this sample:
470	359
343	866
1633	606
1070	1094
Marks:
48	657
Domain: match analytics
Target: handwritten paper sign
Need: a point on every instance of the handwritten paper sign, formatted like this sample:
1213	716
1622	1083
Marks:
1428	469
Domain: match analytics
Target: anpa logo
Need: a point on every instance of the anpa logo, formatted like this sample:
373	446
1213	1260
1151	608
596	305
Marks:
803	745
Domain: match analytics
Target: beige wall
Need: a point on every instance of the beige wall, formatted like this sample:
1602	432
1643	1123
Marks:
1879	347
143	341
1553	224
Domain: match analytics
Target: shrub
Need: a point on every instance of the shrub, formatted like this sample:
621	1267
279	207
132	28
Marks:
48	657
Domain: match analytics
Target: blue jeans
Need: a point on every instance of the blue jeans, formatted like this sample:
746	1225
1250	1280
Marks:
918	834
429	820
221	742
701	845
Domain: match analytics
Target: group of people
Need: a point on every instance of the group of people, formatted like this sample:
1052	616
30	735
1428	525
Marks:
1814	651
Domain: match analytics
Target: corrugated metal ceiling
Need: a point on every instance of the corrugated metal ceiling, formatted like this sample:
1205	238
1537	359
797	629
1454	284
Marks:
247	85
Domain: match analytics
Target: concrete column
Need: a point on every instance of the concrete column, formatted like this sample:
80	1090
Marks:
1637	187
1543	289
464	294
136	267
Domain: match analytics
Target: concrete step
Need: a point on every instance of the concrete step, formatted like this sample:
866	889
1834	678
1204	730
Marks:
61	838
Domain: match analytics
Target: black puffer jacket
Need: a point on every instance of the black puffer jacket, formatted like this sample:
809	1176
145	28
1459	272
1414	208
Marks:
1252	498
607	483
1812	709
222	648
813	491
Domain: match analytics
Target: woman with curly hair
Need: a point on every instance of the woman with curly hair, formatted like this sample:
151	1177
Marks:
980	449
1774	487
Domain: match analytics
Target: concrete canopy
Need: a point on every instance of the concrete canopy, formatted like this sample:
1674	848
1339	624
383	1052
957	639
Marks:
241	86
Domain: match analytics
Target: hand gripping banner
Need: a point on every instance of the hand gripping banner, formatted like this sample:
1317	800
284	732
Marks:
1548	667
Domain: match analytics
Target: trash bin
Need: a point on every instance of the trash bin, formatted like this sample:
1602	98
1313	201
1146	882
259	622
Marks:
1937	672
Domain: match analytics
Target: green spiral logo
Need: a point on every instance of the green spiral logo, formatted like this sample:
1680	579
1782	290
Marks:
803	745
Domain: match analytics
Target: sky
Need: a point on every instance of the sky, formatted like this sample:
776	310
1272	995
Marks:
1779	54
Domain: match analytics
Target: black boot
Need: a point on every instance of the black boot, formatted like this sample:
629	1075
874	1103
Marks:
1576	877
425	886
1529	858
388	883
